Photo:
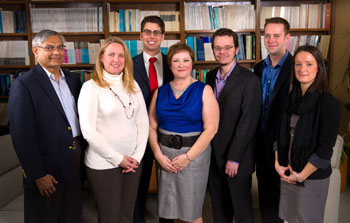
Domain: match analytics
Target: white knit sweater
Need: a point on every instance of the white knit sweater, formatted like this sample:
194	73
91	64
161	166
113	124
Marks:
105	126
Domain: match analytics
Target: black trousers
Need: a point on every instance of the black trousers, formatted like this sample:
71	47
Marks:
64	206
140	204
115	193
230	195
269	192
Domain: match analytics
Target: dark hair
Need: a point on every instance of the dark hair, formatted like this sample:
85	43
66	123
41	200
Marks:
278	20
225	32
153	19
178	47
320	82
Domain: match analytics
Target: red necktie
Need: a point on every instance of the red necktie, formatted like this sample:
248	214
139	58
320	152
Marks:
153	82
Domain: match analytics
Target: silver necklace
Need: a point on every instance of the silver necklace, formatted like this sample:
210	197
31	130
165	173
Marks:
181	91
129	105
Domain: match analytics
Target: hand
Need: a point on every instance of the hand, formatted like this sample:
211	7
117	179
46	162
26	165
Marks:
46	185
292	178
128	164
180	162
281	170
166	164
231	168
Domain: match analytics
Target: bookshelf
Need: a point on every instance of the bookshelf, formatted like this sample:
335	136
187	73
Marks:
39	11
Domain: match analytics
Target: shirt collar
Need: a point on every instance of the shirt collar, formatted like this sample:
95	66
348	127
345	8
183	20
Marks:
267	61
52	76
146	57
218	74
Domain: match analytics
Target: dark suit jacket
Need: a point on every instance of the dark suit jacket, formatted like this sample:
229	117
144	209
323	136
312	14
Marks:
140	75
274	111
39	128
240	104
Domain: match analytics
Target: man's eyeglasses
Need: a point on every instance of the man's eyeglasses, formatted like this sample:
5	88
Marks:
52	48
149	32
226	48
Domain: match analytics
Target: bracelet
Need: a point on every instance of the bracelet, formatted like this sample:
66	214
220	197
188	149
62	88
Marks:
187	157
297	178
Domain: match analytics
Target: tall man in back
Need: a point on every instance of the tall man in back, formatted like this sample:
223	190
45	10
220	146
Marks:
151	71
46	134
239	95
274	72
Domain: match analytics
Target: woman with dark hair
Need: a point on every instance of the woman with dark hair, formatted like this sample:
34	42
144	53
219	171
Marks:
308	132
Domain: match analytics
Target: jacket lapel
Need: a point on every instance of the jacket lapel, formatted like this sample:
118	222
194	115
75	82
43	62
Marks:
45	83
284	73
141	69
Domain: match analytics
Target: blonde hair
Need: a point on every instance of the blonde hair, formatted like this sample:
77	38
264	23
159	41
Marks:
128	78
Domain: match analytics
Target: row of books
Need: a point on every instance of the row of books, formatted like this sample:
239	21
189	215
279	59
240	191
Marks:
67	19
13	22
6	80
81	52
129	20
200	74
212	16
14	52
320	41
302	16
202	49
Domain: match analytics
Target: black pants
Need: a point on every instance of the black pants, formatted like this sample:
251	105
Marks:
115	193
64	206
269	192
230	195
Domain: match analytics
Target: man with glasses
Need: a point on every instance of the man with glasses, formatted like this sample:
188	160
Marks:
151	71
238	93
46	135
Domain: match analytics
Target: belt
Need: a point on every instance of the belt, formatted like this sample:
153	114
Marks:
76	142
176	141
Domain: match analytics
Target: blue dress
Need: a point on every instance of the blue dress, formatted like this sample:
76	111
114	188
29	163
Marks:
180	115
181	195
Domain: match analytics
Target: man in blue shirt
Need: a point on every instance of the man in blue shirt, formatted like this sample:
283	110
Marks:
274	72
46	134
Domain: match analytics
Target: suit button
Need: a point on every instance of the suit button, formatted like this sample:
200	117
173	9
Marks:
69	128
70	147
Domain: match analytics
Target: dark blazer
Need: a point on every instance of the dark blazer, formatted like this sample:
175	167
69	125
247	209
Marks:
140	75
240	105
39	128
273	114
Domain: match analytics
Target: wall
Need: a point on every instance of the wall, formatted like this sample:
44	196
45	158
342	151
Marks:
340	57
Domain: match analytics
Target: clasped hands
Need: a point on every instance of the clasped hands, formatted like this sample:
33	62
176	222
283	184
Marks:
129	164
281	170
175	165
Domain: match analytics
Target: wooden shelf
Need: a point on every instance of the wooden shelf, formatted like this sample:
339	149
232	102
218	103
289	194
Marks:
4	97
89	66
5	2
212	31
14	67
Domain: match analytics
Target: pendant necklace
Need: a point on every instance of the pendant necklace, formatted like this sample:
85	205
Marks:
129	105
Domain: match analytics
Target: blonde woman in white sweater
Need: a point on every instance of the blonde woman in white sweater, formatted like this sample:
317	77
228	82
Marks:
113	119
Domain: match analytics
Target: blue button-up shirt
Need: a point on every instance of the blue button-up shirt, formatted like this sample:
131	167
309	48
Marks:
67	101
268	81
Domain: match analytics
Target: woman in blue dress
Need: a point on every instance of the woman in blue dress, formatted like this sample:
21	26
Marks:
184	117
